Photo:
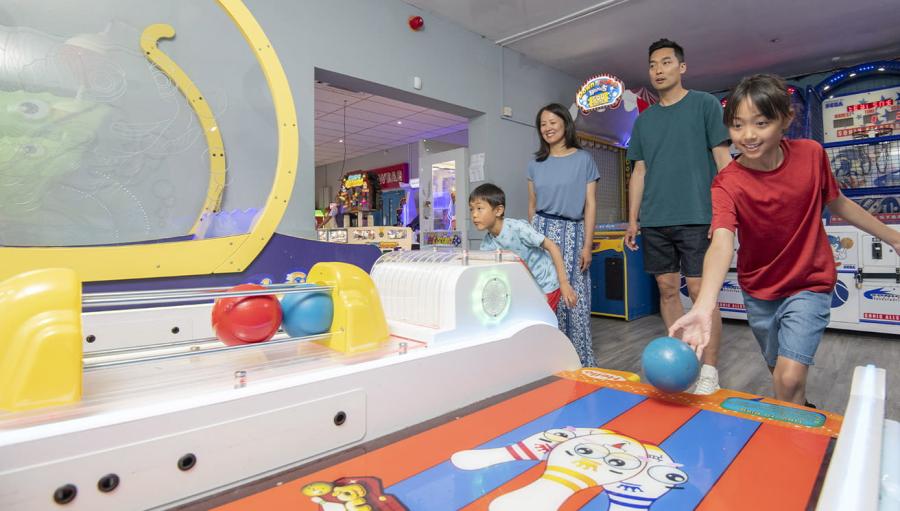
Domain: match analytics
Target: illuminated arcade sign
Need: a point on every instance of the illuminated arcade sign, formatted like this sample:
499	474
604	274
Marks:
391	177
442	238
604	91
865	114
354	180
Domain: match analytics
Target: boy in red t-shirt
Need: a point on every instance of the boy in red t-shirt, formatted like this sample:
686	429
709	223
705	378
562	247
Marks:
773	194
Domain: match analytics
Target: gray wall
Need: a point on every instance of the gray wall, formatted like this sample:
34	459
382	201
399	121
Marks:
370	40
158	190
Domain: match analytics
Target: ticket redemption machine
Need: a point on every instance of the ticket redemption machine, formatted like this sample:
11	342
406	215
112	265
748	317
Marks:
860	126
443	196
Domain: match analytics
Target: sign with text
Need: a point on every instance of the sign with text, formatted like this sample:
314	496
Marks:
392	176
442	238
603	91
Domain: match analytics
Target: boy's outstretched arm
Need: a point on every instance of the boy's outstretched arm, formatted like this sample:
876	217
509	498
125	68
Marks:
565	289
857	216
694	327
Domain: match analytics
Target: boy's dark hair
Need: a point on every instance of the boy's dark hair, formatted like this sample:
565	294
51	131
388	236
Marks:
667	43
767	92
569	134
490	193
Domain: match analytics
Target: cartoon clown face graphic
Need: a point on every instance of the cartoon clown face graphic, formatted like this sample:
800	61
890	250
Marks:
574	465
641	491
533	448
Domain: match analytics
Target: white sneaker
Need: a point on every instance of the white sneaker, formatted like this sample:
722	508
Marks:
708	382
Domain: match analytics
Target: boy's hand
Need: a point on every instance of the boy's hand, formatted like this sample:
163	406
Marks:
631	236
586	256
570	298
694	327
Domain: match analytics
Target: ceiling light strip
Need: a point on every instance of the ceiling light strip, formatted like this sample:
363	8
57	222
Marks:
594	9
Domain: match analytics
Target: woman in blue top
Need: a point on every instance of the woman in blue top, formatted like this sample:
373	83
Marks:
562	186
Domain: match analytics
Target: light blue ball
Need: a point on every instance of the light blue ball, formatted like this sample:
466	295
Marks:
307	313
670	364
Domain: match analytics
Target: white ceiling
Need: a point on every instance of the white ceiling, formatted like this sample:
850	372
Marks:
373	123
724	40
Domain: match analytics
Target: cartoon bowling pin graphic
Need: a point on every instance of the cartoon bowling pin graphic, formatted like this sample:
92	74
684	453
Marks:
641	491
574	465
533	448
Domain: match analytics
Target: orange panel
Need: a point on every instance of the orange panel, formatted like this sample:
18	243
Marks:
798	456
412	455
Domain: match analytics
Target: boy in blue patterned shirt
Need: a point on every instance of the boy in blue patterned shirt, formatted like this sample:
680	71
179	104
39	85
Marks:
487	204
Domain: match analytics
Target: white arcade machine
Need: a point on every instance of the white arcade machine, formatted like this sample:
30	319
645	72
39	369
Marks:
97	412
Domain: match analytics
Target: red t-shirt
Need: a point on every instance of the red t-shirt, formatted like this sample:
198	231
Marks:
778	218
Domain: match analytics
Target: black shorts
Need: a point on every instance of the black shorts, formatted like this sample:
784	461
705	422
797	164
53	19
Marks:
675	248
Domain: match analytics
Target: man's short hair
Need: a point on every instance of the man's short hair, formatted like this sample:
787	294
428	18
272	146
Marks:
667	43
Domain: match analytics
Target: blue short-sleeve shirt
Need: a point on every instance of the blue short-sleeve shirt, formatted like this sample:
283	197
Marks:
560	183
520	237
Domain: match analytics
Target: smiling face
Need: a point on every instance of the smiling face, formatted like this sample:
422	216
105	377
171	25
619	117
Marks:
553	127
597	459
349	493
662	474
600	459
665	69
756	136
317	489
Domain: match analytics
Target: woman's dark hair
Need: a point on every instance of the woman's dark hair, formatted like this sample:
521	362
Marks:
569	134
767	92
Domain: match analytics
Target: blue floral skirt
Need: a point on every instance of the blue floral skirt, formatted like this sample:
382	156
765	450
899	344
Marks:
574	322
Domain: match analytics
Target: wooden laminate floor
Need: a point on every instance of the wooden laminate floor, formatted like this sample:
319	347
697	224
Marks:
618	345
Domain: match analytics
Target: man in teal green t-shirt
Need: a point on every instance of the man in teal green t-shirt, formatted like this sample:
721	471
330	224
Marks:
677	146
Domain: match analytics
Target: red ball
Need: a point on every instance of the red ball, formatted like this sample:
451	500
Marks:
416	23
246	319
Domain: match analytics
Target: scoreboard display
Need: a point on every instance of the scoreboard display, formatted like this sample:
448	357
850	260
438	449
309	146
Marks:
861	115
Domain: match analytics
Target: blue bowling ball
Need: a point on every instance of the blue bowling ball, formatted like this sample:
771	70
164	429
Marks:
308	313
670	364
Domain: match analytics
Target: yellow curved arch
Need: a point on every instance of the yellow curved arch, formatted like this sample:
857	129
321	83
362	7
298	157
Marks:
149	39
195	257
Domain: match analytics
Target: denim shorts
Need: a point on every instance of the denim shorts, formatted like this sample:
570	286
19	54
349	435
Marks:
675	248
789	327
